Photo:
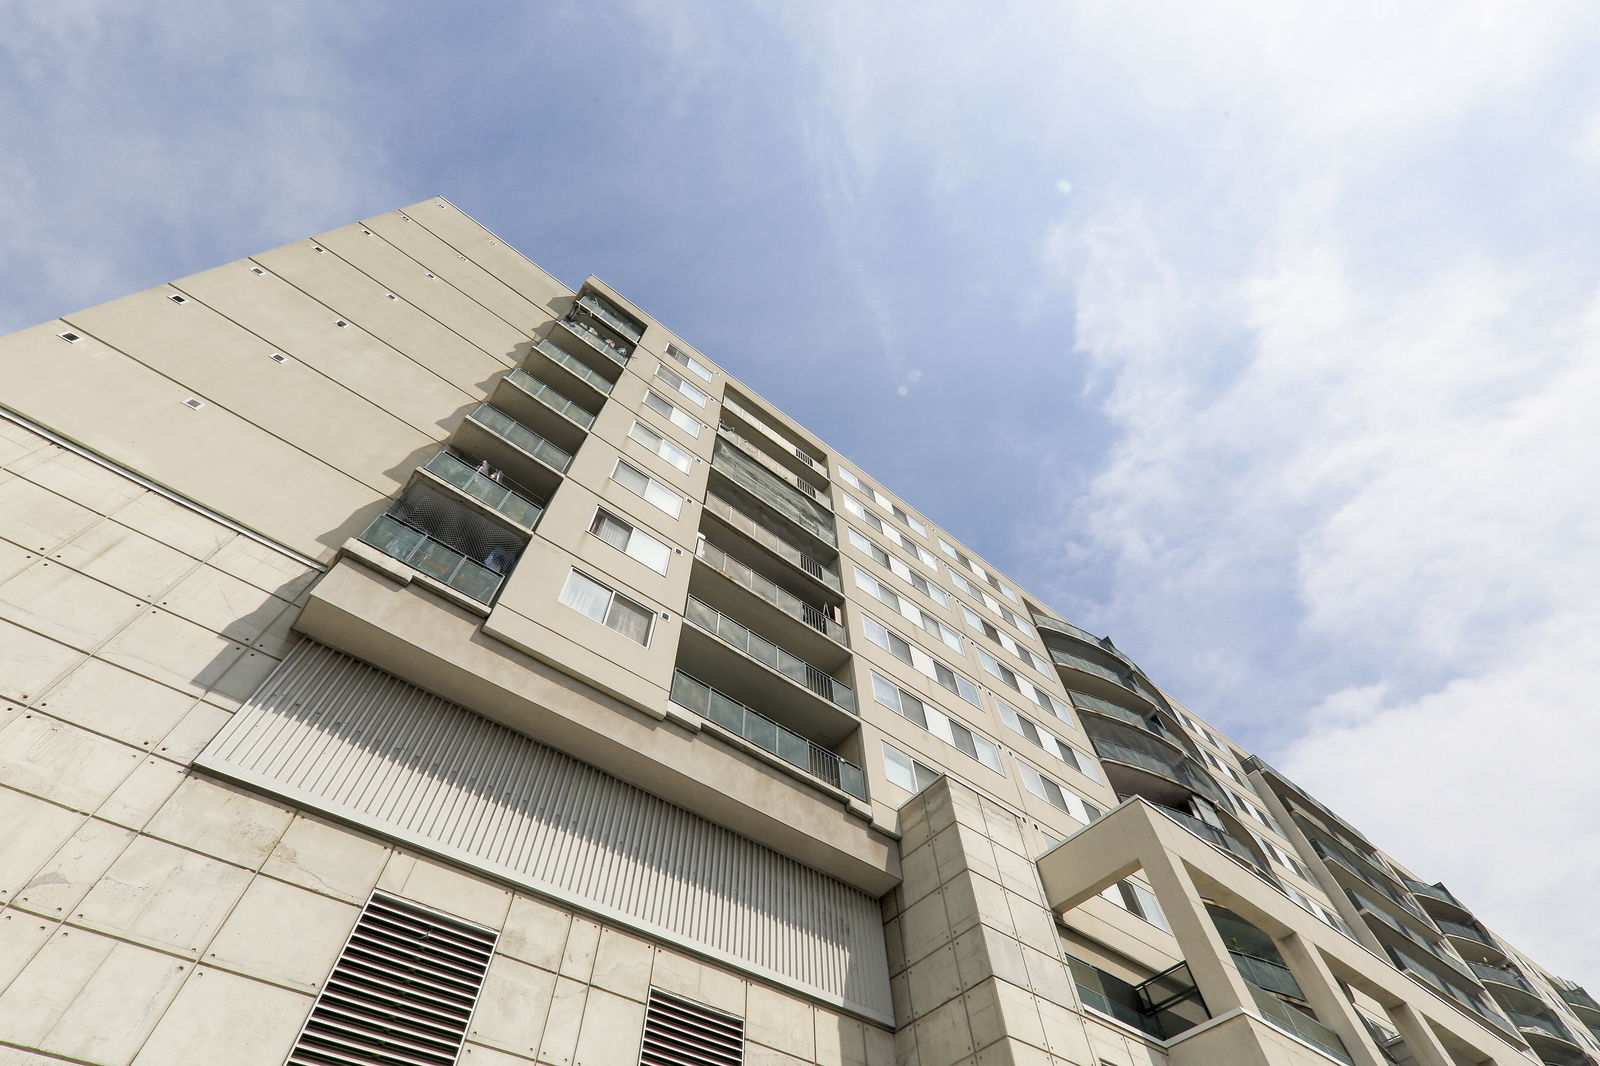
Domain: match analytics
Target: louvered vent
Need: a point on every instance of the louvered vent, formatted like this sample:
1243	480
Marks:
681	1032
402	991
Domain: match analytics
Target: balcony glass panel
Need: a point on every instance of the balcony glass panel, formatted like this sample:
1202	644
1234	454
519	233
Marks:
589	335
569	409
762	731
418	550
780	598
775	492
497	420
1298	1022
463	475
1502	974
605	312
763	650
577	367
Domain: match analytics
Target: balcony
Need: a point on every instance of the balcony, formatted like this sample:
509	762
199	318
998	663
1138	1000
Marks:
1363	870
758	729
1540	1026
576	369
1435	952
507	500
404	542
1149	753
607	312
1298	1023
1213	835
1575	996
591	341
512	447
1162	1006
1462	931
1433	979
761	455
797	510
543	408
754	670
775	444
814	622
1501	975
752	529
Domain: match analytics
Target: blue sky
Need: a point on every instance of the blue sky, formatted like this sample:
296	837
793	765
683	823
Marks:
1282	322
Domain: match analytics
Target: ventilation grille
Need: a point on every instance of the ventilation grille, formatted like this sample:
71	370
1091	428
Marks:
402	991
681	1032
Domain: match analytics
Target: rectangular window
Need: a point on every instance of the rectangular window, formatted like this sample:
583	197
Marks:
610	608
627	538
861	543
900	513
672	413
849	477
888	640
689	362
946	547
1058	795
901	769
637	481
663	447
675	379
935	721
1085	764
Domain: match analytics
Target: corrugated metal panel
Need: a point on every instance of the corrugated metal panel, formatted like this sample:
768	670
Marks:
336	734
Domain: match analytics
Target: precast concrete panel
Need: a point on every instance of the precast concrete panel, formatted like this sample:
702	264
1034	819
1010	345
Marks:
332	733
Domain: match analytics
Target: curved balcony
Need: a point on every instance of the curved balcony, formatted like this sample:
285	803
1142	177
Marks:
1472	935
1500	975
1575	996
1149	723
1146	764
1213	835
1542	1027
758	729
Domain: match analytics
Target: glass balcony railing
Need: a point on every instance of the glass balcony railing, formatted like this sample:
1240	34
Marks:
520	508
771	541
1539	1023
733	463
491	417
1500	974
1148	723
436	559
1264	973
1375	878
1576	996
769	654
1072	660
1430	977
1435	951
1466	932
1419	888
756	452
729	404
571	410
1298	1023
779	597
575	366
1212	835
617	353
603	310
768	735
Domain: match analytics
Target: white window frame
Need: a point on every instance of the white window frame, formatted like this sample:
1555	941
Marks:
639	546
663	448
613	596
673	413
656	500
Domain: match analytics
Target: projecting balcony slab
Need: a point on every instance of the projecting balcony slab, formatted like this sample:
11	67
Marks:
721	581
442	648
543	408
523	455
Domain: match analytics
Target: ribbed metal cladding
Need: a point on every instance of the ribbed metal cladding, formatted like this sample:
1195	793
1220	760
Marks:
402	991
681	1032
332	733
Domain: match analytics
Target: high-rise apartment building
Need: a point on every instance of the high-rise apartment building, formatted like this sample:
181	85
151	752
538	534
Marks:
406	659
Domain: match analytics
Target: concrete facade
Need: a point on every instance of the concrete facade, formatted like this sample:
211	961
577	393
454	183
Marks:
289	617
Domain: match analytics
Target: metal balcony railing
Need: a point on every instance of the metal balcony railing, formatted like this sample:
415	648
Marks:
768	735
617	353
1300	1024
569	409
491	417
575	366
1501	974
779	597
771	541
769	654
515	505
438	560
603	310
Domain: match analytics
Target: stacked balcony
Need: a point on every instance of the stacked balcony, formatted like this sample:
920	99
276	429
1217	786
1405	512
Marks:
452	535
1142	762
750	484
585	351
1161	1006
789	459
